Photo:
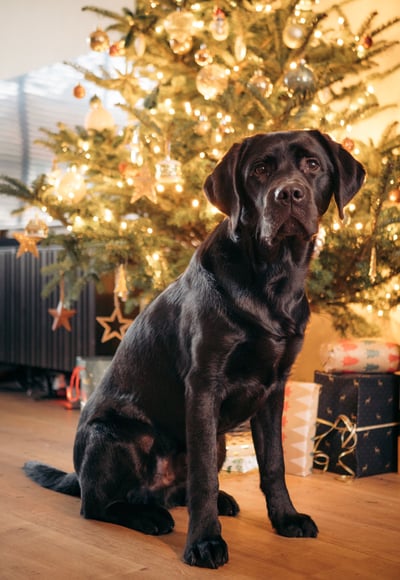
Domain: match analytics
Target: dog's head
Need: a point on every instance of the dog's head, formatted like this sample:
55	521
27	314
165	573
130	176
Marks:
282	183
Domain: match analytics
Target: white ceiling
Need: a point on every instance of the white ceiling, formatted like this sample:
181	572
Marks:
37	33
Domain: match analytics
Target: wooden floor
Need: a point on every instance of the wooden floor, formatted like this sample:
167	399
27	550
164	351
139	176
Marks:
42	535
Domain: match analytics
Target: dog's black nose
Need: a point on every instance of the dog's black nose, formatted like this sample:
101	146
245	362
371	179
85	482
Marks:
289	194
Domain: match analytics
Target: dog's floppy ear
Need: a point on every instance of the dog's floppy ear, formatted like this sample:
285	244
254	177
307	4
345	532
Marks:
221	186
348	172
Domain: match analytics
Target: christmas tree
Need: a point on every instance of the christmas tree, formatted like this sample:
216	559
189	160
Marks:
192	78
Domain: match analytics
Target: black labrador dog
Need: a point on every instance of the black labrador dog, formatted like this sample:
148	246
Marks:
213	350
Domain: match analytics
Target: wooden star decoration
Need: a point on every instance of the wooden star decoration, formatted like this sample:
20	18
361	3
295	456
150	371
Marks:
115	325
61	317
144	185
27	244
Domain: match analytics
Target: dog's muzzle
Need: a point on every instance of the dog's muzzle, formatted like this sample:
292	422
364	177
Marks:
290	211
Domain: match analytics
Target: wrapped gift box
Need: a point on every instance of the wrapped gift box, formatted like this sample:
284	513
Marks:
298	431
240	453
361	356
299	425
357	423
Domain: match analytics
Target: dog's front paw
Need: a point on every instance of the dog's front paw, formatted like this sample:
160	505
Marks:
296	526
209	553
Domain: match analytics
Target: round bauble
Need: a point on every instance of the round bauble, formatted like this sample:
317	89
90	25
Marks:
261	83
117	48
367	41
181	47
348	144
203	56
203	126
294	33
179	25
99	41
394	195
72	187
300	81
211	81
79	91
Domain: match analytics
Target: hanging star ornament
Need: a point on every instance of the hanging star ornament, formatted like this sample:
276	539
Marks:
61	317
115	325
27	243
144	184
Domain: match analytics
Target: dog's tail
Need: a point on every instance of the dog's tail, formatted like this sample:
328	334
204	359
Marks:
53	478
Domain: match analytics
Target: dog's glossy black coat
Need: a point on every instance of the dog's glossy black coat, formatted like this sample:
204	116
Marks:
214	349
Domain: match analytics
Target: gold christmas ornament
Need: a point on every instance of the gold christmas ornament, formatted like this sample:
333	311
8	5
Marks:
394	195
168	171
300	81
98	118
297	27
181	47
115	325
140	44
120	288
203	126
72	187
372	265
211	81
37	228
203	56
240	49
261	83
143	184
99	41
27	244
179	25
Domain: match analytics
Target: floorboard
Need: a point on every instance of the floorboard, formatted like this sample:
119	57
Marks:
42	535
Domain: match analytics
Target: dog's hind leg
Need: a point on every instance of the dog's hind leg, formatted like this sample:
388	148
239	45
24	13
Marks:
115	477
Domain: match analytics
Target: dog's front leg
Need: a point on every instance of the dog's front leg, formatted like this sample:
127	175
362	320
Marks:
205	546
266	428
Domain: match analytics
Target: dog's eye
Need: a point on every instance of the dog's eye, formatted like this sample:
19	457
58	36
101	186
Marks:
264	168
310	164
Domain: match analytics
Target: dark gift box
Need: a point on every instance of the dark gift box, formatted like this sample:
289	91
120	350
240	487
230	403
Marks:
357	424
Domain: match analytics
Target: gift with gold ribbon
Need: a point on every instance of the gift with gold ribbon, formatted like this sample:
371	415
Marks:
353	451
357	424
